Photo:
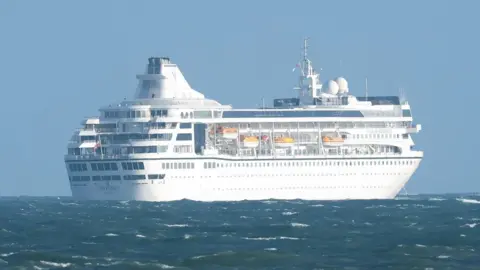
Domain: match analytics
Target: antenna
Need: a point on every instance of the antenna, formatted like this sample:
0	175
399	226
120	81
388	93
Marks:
366	88
305	48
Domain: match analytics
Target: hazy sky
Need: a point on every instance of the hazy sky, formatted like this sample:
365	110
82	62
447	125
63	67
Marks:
61	60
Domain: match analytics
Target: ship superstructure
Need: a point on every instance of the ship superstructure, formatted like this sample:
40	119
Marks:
171	143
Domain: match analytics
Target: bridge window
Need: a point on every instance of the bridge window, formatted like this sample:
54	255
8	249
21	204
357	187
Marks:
78	167
110	166
184	137
134	177
130	166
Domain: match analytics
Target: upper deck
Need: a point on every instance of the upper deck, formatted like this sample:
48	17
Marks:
168	117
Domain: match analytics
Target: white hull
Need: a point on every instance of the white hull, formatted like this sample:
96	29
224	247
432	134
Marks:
241	183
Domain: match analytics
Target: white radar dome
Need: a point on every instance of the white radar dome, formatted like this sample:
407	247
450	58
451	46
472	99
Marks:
331	87
342	85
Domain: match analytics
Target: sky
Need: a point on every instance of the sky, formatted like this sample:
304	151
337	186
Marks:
61	60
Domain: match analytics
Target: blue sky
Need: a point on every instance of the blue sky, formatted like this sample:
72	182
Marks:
61	60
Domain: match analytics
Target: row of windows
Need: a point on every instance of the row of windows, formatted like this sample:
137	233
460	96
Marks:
178	165
134	177
156	176
185	125
184	137
104	166
116	177
106	177
130	166
213	165
79	178
377	136
182	149
78	167
135	114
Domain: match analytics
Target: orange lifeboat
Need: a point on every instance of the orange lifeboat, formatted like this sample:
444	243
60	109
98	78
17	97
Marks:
284	141
332	141
227	133
250	142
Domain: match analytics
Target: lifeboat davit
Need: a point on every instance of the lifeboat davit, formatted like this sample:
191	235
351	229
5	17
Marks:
284	141
250	142
332	141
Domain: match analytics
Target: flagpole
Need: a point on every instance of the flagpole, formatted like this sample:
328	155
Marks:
100	143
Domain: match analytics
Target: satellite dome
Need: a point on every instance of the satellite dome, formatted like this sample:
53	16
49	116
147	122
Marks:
331	87
342	85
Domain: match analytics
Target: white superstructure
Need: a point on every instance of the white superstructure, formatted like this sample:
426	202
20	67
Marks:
171	143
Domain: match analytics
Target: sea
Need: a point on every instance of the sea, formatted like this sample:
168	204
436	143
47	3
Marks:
410	232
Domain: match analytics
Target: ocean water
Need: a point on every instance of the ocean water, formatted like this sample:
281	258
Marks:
416	232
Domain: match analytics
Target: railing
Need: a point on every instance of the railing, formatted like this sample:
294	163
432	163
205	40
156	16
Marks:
104	156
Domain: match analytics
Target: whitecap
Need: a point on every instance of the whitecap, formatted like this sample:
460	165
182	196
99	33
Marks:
289	213
270	238
317	205
7	254
294	224
260	238
436	199
269	202
471	225
271	249
468	200
443	256
111	234
140	236
176	225
55	264
418	245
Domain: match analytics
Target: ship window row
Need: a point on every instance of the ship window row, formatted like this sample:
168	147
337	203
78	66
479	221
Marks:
186	115
297	164
156	176
317	125
106	178
161	113
87	138
104	166
80	178
130	166
158	125
77	167
135	114
378	136
185	125
184	137
127	138
134	177
178	165
182	149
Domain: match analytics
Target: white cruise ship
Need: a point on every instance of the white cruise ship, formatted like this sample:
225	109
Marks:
171	143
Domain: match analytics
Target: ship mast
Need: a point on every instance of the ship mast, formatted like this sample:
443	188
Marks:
308	79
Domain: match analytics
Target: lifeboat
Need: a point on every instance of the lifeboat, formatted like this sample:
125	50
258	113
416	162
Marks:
250	142
227	133
332	141
265	138
284	141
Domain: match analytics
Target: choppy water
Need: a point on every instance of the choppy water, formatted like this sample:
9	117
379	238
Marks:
423	232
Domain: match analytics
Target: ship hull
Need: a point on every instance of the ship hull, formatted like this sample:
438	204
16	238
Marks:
242	183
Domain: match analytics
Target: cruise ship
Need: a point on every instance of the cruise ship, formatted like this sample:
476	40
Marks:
170	143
